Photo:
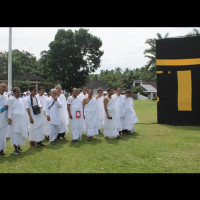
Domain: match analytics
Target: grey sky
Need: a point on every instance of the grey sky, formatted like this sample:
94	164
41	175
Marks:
123	47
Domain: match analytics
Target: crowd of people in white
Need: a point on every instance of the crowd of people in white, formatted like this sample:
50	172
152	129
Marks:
38	116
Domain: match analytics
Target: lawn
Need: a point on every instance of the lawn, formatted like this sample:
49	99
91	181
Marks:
153	148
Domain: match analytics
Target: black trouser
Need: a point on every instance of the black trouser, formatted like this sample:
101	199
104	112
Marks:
60	135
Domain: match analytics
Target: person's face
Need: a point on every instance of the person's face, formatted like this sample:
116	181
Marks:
100	93
90	92
84	90
59	90
118	92
110	92
33	92
3	88
75	92
41	92
53	94
17	93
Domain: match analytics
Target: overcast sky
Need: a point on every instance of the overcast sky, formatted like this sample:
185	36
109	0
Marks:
123	47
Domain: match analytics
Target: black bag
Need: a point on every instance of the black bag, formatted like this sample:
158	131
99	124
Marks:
36	109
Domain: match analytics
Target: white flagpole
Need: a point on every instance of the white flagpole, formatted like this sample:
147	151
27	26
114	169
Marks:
10	61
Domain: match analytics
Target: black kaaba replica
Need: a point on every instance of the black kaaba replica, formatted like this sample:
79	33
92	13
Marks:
178	80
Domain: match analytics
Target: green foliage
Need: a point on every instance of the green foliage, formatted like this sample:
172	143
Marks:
72	56
22	62
195	32
151	54
137	89
23	85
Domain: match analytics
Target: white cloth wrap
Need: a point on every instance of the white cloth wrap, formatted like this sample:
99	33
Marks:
110	125
91	118
76	124
63	115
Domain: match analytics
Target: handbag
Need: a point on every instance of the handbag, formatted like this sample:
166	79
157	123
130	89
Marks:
36	109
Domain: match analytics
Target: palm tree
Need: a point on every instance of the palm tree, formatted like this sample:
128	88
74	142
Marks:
151	52
196	32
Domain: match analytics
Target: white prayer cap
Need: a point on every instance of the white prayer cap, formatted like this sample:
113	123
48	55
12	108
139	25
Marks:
54	90
24	93
104	92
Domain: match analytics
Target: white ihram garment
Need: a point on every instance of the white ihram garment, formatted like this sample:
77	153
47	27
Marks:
17	112
76	124
46	126
110	125
52	110
3	122
82	96
101	111
118	104
91	118
36	129
63	113
130	117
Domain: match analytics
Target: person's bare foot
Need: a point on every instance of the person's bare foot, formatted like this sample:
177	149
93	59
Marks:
90	138
119	137
2	153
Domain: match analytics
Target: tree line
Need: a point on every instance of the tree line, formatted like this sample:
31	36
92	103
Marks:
72	59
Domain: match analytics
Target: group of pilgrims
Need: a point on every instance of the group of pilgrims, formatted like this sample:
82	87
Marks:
36	116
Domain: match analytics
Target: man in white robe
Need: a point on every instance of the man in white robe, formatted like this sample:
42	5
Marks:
111	125
130	117
118	104
63	114
36	120
42	98
53	104
82	96
90	114
100	108
75	110
8	128
16	118
3	118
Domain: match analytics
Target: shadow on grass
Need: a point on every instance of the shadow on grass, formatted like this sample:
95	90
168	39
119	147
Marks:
184	127
13	158
127	137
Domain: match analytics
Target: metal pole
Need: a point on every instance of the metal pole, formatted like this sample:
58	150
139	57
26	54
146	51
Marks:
10	60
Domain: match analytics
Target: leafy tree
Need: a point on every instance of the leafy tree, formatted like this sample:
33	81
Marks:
151	54
196	32
72	56
22	62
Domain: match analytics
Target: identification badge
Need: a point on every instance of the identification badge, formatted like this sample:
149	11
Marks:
3	109
78	114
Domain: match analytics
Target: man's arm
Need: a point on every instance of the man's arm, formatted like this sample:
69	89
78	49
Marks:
28	111
105	101
69	111
83	104
47	109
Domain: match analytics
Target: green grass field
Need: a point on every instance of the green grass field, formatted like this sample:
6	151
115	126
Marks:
153	148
